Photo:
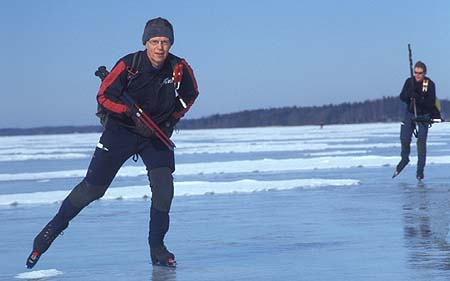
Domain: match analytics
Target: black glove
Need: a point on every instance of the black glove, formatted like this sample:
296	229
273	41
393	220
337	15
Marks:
413	94
129	113
141	128
167	127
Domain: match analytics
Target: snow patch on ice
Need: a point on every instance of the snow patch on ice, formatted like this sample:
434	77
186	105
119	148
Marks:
242	166
39	274
181	189
42	156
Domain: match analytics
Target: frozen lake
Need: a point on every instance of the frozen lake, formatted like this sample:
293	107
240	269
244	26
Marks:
281	203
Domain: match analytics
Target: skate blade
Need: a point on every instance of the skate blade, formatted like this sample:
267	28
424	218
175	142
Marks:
169	263
395	174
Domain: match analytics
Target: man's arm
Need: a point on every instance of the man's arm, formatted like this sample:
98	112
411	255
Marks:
111	89
405	94
187	93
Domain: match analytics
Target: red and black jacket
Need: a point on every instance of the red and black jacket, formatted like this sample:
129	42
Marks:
154	90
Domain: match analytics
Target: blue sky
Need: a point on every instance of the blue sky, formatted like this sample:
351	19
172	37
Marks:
245	54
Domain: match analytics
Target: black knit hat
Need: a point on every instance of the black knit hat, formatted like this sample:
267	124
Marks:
421	64
158	27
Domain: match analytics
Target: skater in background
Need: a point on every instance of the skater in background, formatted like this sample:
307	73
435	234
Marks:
419	95
153	86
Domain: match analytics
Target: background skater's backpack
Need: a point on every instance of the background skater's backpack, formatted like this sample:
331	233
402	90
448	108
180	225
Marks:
133	69
436	113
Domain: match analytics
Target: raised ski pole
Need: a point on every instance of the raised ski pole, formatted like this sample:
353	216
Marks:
102	72
413	100
402	164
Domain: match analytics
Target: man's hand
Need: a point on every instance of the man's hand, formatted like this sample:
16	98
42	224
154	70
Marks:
129	113
141	128
413	94
167	128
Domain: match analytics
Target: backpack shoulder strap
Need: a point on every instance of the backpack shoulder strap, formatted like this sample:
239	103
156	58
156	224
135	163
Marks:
425	85
136	64
173	60
177	70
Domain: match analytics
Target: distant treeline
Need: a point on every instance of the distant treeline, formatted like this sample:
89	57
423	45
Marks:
387	109
50	130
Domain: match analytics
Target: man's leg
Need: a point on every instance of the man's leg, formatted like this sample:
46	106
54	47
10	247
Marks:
106	161
406	132
161	182
421	149
160	165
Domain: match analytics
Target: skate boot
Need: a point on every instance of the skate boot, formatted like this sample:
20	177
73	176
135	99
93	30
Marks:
161	256
401	165
43	241
419	175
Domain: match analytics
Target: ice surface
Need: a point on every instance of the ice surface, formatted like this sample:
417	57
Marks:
278	203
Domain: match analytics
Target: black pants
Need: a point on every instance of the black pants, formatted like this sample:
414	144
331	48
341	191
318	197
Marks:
406	133
116	145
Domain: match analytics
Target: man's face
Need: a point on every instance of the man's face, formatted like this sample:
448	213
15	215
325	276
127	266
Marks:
158	50
419	74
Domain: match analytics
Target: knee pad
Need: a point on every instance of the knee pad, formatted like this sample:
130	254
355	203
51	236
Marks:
84	193
161	183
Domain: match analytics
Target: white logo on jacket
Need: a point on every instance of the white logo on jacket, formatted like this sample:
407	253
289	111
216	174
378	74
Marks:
167	81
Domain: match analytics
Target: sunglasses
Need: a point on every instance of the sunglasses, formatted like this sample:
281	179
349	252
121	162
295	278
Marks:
415	72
